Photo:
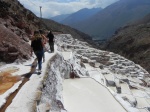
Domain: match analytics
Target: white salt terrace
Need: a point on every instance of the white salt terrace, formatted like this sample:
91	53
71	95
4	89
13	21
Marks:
87	95
100	88
123	69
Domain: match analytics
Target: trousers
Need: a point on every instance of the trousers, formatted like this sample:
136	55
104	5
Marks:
39	55
51	44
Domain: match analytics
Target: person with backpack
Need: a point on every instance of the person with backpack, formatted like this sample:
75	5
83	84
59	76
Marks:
50	37
37	48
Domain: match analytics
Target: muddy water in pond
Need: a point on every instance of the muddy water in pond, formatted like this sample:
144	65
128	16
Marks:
7	80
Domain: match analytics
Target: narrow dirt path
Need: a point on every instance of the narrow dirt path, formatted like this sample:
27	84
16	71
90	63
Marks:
26	79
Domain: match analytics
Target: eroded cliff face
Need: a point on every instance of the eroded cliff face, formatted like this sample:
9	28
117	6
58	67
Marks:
12	47
16	26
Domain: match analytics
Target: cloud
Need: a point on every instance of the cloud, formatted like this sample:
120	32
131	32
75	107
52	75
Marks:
52	8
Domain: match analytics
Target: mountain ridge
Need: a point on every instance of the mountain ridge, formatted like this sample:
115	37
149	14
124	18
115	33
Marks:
106	22
80	15
59	18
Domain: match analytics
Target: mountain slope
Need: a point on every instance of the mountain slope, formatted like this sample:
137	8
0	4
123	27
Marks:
56	27
133	42
60	18
106	22
80	16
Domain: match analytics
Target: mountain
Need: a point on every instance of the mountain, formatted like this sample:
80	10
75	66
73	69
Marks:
106	22
59	28
133	42
80	15
17	25
60	18
77	77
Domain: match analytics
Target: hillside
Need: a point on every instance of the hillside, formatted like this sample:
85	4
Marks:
60	18
133	42
79	16
56	27
17	24
106	22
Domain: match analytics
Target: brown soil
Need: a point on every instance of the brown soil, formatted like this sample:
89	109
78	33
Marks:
7	80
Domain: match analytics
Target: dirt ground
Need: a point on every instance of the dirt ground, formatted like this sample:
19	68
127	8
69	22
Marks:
7	80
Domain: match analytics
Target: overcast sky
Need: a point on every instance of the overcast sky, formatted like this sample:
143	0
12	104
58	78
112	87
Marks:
52	8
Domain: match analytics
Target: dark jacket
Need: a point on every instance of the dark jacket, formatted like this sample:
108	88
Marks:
37	44
50	36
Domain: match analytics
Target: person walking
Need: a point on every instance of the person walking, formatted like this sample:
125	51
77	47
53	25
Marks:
37	48
44	40
50	37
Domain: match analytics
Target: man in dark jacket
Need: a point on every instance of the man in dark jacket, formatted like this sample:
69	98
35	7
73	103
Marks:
50	37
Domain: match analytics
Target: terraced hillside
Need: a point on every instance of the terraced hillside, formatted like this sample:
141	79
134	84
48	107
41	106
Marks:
133	42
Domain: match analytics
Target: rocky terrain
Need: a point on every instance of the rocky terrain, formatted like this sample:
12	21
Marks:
127	81
133	42
16	24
